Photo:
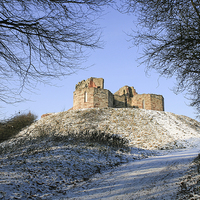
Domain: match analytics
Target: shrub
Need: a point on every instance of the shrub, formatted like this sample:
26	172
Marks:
99	137
10	127
103	138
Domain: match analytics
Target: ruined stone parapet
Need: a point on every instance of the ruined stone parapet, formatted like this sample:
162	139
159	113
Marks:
90	82
126	90
47	114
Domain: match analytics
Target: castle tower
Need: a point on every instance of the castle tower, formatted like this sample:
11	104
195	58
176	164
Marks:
90	93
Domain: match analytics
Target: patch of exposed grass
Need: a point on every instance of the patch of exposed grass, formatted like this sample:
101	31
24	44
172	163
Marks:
99	137
190	184
87	136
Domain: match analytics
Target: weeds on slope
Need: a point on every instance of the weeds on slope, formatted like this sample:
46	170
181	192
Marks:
88	136
10	127
99	137
44	134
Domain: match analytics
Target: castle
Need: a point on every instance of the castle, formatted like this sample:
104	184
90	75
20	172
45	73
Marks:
90	93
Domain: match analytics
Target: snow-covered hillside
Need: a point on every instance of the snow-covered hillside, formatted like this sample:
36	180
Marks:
146	129
51	157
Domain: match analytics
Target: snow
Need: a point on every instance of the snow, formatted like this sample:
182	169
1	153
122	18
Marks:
42	162
152	178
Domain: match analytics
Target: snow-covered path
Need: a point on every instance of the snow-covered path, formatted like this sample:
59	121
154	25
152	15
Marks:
152	178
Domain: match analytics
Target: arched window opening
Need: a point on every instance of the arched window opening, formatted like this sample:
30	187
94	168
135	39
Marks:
143	104
85	97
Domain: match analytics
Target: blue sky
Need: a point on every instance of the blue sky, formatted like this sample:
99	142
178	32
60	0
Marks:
116	62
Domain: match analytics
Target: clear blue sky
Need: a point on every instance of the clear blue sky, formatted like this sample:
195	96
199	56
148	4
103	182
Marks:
116	63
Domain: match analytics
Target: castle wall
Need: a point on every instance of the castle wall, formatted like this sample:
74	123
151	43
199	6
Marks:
122	101
149	101
157	102
102	98
99	82
96	98
123	97
79	98
90	82
110	99
119	101
126	90
142	101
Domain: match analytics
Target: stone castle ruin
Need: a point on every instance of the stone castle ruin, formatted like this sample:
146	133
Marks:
90	93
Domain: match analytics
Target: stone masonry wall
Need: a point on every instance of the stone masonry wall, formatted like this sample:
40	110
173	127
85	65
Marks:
99	82
79	96
142	101
123	101
126	90
90	82
157	102
119	101
102	98
110	99
96	98
149	101
123	97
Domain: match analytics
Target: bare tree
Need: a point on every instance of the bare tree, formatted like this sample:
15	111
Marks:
43	39
170	33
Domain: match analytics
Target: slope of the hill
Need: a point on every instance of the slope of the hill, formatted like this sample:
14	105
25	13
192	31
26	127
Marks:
144	129
44	162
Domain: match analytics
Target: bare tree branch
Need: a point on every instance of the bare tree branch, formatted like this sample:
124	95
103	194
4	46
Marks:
171	35
44	39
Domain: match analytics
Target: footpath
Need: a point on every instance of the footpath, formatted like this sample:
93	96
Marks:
158	177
